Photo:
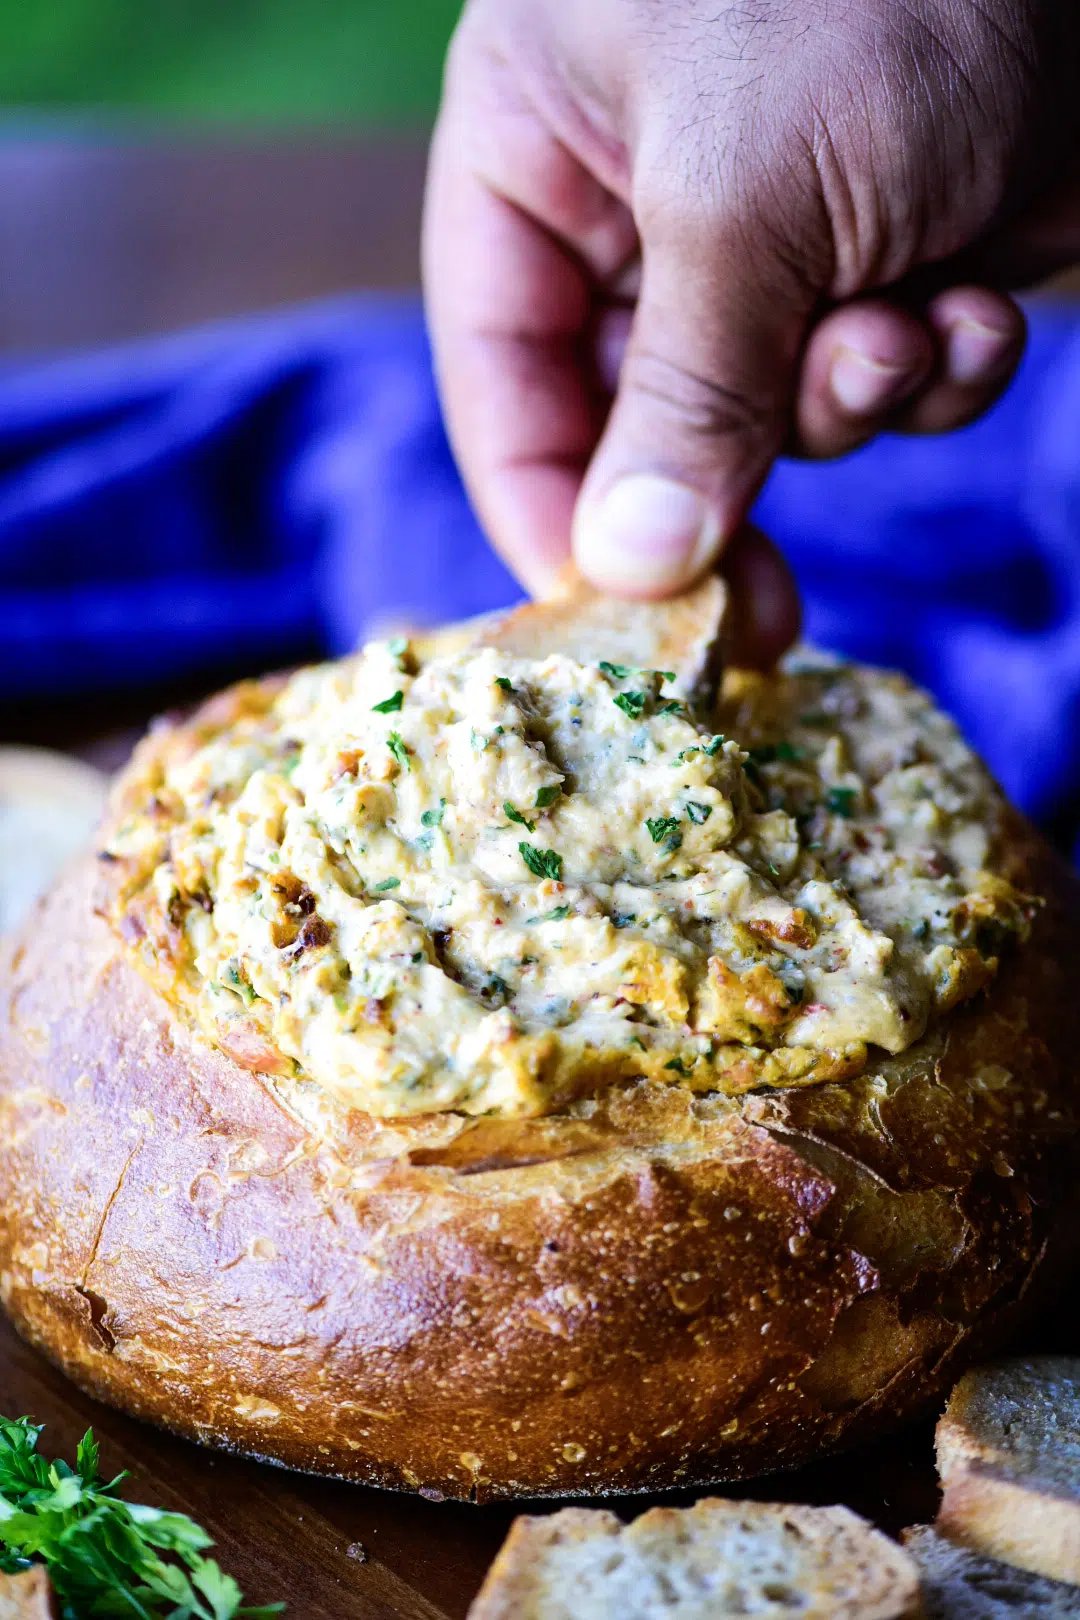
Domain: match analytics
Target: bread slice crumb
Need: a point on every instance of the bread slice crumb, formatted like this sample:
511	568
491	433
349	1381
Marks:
27	1596
715	1560
1008	1451
959	1584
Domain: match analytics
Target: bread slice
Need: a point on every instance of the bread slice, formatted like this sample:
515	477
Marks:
707	1562
27	1596
49	805
1008	1451
681	634
959	1584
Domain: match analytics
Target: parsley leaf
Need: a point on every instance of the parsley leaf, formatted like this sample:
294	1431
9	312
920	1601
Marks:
542	863
671	706
389	705
661	827
433	818
666	674
618	672
622	919
677	1065
557	914
698	812
631	703
767	752
105	1555
546	796
387	883
515	815
714	744
841	801
505	684
398	749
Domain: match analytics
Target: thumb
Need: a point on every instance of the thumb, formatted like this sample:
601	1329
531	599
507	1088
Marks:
703	406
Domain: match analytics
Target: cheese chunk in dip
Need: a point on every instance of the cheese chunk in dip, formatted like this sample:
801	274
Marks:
492	884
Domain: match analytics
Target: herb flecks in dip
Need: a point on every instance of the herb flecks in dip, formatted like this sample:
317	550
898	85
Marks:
491	884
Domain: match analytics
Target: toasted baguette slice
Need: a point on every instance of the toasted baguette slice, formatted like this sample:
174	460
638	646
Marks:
681	634
959	1584
707	1562
27	1596
1008	1450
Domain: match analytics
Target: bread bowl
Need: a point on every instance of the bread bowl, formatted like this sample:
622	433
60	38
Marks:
287	1172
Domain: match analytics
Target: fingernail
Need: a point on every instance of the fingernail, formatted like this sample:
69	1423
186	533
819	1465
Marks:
645	536
978	353
863	386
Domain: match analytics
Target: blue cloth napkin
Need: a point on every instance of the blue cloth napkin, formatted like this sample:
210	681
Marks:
237	495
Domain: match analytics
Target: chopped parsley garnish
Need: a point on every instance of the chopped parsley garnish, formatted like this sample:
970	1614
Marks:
233	980
841	801
105	1555
557	914
515	815
505	684
671	706
417	956
623	919
546	796
496	990
636	1040
542	863
618	672
398	748
433	818
389	705
662	827
767	752
677	1066
687	753
666	674
631	703
714	744
698	812
387	883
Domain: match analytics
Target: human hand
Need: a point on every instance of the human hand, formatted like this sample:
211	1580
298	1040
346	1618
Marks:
805	204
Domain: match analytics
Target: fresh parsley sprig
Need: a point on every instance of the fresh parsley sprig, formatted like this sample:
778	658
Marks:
105	1556
542	863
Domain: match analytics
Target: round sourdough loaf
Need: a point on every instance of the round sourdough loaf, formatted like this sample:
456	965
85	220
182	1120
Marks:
652	1286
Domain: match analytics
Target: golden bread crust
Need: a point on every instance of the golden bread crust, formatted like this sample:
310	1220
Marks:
654	1289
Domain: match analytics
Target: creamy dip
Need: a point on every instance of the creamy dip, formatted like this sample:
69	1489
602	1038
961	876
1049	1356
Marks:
489	884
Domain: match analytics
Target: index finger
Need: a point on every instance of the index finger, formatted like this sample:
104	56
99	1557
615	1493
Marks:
510	304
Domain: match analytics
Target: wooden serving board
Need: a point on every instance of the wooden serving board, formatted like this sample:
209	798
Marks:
348	1552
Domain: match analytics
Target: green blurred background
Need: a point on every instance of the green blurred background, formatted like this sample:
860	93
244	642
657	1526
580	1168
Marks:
270	62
